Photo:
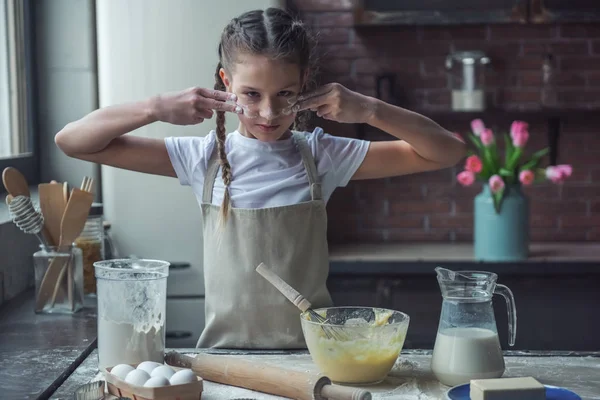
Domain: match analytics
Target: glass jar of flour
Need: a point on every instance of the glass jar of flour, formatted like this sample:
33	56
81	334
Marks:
132	298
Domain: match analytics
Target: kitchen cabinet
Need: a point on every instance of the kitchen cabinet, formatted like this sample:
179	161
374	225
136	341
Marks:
556	290
441	12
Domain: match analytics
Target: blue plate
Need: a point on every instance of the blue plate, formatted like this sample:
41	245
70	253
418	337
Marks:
552	393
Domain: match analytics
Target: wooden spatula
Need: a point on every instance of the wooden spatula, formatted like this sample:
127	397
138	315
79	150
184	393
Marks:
72	224
53	207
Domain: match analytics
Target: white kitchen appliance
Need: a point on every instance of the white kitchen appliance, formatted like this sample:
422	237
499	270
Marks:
146	47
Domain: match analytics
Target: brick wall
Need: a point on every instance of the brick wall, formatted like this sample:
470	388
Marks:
431	206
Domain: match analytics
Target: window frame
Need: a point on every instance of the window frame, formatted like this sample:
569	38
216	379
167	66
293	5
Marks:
27	163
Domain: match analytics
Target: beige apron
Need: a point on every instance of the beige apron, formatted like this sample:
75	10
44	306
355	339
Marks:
243	310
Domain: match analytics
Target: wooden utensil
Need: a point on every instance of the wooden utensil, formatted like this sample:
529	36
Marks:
73	221
265	378
65	193
300	301
15	183
53	207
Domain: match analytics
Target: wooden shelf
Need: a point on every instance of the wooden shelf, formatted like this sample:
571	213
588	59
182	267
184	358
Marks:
510	113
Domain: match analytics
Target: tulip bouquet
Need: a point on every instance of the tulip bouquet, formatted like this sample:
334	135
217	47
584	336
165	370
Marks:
485	163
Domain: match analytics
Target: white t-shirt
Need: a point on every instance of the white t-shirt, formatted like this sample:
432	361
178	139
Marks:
267	174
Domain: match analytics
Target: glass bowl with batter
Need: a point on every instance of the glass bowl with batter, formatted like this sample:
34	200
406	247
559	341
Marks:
355	345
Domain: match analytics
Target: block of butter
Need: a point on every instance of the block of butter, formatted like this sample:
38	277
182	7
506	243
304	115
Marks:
525	388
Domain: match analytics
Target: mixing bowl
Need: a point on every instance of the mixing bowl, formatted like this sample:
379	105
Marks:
365	346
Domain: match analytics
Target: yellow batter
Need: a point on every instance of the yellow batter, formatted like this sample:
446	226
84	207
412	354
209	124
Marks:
366	359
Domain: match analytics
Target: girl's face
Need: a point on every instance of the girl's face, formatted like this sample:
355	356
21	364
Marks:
266	89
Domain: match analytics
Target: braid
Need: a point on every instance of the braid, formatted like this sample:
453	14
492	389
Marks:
301	121
221	135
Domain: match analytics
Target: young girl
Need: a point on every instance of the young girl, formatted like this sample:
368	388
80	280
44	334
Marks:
262	188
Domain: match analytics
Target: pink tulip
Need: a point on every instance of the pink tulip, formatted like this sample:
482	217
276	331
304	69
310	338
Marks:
519	132
477	126
558	173
487	137
473	164
565	169
496	183
526	177
466	178
517	127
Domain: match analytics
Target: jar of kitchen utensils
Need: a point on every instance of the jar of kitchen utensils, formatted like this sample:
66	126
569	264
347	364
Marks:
132	301
63	295
91	243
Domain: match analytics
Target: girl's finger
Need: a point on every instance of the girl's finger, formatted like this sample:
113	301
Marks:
204	113
205	103
318	92
313	102
216	94
324	110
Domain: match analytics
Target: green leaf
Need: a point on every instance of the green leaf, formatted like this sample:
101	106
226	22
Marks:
514	159
476	141
489	157
535	159
498	197
505	172
509	148
540	153
530	165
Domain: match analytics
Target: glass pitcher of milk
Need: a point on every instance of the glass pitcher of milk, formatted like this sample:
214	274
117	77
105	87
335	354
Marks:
467	345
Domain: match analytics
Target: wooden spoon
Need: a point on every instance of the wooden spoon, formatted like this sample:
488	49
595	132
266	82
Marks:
53	207
72	224
15	183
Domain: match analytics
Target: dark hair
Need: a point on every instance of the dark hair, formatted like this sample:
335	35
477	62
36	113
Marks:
273	33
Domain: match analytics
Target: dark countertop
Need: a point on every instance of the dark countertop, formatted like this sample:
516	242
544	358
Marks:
39	352
422	258
48	356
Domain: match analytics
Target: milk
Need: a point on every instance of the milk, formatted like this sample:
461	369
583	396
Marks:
462	354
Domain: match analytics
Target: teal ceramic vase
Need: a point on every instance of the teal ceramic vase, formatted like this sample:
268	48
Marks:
503	236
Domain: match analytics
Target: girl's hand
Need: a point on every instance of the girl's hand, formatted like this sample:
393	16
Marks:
192	106
338	103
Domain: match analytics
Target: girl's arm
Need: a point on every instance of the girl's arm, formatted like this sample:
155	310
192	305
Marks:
100	136
424	145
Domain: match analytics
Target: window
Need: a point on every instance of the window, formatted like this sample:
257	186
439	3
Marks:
17	122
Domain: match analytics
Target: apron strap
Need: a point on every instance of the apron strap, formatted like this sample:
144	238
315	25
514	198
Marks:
309	163
211	175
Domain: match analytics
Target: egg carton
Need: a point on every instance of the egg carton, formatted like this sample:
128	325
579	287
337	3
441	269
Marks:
120	388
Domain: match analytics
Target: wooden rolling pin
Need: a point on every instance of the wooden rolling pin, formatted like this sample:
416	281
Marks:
265	378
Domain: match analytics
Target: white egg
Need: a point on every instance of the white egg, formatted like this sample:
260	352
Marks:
163	370
148	366
121	370
137	377
157	381
183	376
